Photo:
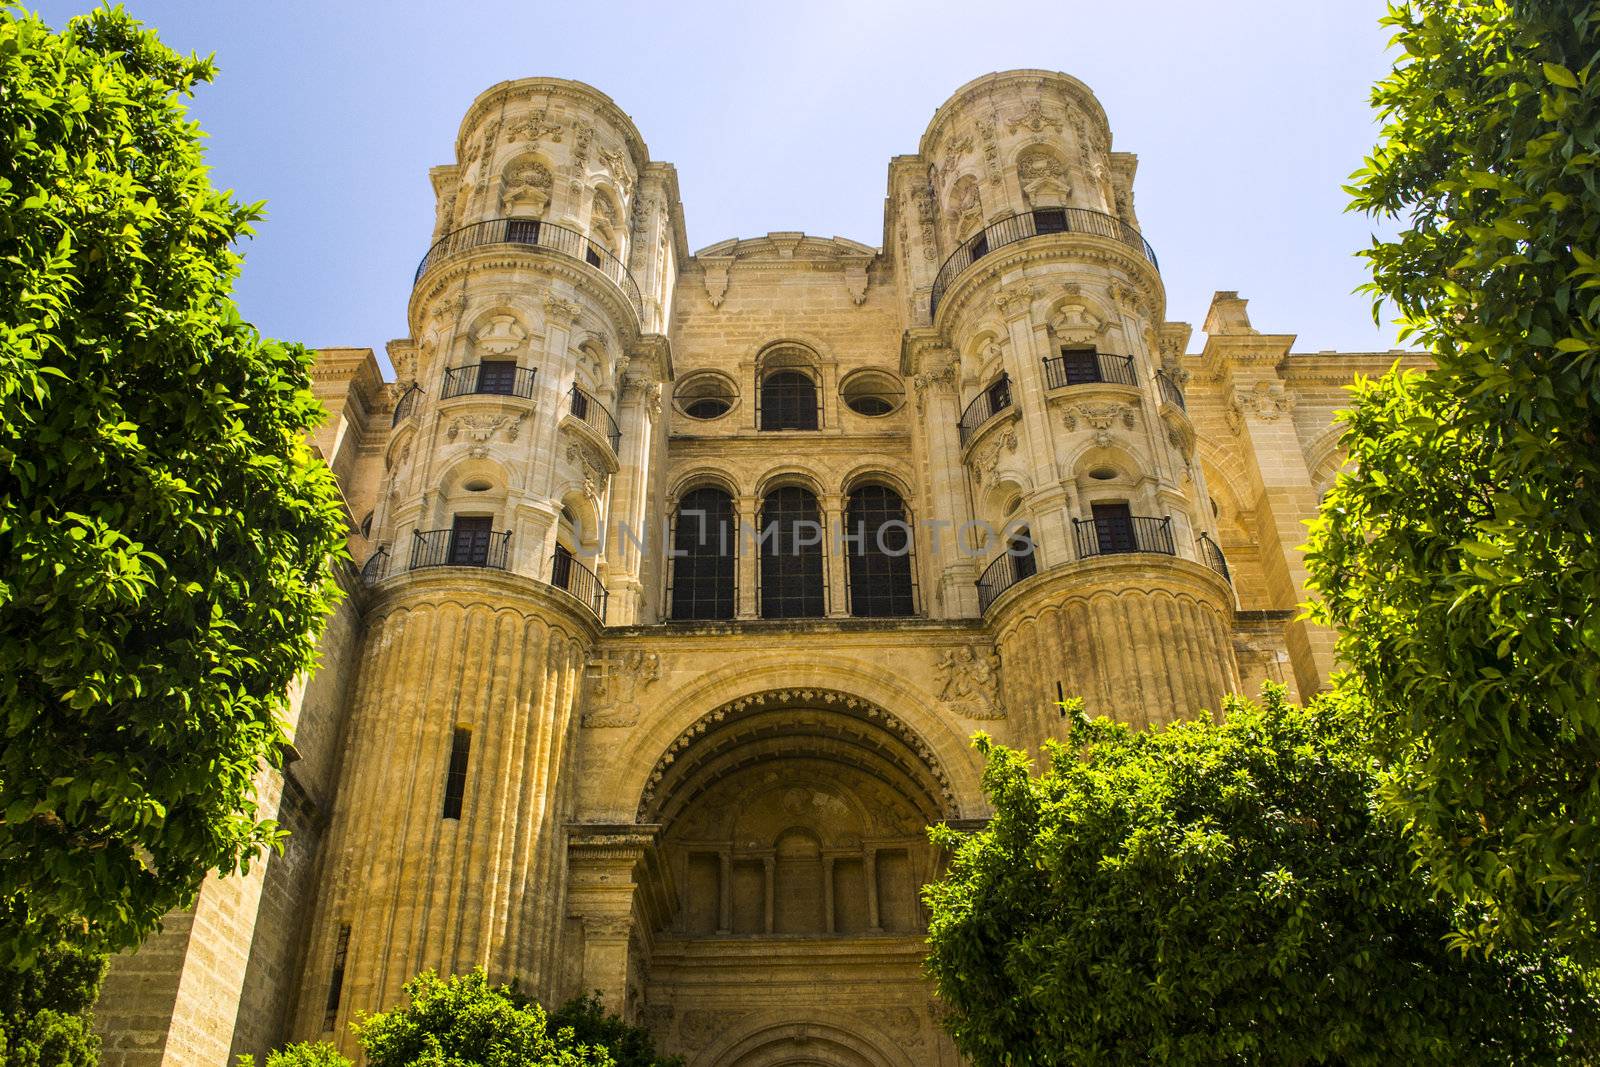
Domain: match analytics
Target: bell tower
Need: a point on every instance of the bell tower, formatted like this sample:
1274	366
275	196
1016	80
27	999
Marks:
524	422
1048	410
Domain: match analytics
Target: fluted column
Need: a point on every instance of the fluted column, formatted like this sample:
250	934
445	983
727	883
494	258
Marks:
948	509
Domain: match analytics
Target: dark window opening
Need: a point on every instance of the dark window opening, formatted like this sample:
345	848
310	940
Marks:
341	949
469	540
707	407
1050	221
455	778
523	231
591	256
497	376
999	394
1113	526
792	583
703	548
880	553
980	245
788	402
1080	366
869	405
561	568
1020	549
366	525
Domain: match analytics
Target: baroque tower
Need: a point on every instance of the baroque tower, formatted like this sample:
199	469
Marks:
684	579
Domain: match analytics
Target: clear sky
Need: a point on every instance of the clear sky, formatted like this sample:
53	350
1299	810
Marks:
1246	117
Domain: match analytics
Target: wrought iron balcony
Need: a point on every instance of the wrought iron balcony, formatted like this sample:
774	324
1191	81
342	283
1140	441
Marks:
460	548
1211	555
1034	224
1086	368
1123	533
1006	571
376	566
406	405
985	406
1170	393
541	234
587	409
568	574
493	377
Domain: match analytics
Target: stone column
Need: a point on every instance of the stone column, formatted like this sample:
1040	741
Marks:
835	551
747	569
601	883
953	571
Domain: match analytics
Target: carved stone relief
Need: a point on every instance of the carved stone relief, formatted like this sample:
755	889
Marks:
1101	418
616	683
969	681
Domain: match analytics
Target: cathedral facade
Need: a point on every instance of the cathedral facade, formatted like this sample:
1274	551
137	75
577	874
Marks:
682	580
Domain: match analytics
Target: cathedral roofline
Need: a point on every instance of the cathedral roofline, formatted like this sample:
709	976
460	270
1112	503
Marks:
1069	86
554	87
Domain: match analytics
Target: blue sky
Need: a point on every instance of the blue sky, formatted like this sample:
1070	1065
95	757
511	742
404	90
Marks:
1246	118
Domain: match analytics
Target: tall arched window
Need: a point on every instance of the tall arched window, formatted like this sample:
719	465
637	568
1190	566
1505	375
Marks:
788	401
792	585
879	540
703	545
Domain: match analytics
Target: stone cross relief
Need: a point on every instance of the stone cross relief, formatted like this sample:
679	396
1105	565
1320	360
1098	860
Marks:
969	681
616	682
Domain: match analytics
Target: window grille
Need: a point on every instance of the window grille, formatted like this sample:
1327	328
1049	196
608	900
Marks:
703	548
341	949
881	573
788	401
792	581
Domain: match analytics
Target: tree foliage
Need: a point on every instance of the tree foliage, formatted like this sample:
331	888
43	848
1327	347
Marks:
463	1021
590	1024
1219	894
1459	560
44	1011
300	1054
165	532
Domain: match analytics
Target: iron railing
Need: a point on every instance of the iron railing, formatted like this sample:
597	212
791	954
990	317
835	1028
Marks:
451	548
1032	224
1211	555
1062	371
587	409
406	404
985	406
1009	568
1136	533
568	574
376	566
1170	393
512	381
540	234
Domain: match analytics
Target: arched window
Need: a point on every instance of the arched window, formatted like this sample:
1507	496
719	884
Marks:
703	544
879	539
791	555
788	401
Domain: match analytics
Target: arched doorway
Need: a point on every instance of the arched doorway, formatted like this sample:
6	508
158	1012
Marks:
789	860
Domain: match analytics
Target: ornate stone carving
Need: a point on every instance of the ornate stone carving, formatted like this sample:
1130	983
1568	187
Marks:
616	683
559	312
966	205
1267	401
991	150
616	163
855	282
717	282
582	137
592	467
527	183
480	429
1016	299
1043	177
986	465
969	680
1033	117
1101	418
954	150
533	128
501	335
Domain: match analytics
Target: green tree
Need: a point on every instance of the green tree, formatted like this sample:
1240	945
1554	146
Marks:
44	1011
1459	561
463	1021
300	1054
630	1046
1219	894
165	532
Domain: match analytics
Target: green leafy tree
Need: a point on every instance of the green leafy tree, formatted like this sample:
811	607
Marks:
165	532
463	1021
590	1024
1459	561
1219	894
300	1054
44	1011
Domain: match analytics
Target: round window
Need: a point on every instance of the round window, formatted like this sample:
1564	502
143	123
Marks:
704	396
872	393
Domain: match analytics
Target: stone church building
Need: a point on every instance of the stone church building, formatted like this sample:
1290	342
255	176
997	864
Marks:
682	580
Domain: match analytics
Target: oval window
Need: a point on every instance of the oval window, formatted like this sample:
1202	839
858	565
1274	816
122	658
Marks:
872	393
704	396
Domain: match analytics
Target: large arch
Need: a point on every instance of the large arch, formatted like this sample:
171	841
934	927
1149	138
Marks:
765	1041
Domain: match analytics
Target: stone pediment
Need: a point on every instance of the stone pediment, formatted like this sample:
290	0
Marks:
788	248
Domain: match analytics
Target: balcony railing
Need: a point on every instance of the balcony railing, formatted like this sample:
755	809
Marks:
540	234
1170	393
1135	533
587	409
453	548
496	379
1086	368
406	405
376	566
1211	555
1032	224
1006	571
567	573
985	406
